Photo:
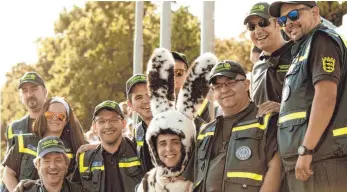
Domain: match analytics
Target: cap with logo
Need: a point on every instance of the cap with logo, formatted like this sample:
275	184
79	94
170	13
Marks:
31	77
260	9
50	144
275	7
226	68
135	79
181	57
111	105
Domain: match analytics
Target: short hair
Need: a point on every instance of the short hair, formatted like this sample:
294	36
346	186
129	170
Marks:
38	158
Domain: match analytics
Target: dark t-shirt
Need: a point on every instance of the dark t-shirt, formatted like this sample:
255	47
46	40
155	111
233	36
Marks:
324	59
268	75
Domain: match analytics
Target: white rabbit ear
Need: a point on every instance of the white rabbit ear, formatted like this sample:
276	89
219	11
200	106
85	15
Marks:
160	75
196	87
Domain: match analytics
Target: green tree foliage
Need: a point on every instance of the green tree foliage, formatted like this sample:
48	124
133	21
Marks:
236	49
333	11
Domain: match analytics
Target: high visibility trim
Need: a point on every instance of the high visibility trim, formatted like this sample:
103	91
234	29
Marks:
253	125
70	155
129	164
81	166
340	131
291	116
10	132
139	143
246	175
202	107
22	149
202	136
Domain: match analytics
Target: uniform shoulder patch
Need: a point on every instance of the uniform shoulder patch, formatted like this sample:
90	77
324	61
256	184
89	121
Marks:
328	64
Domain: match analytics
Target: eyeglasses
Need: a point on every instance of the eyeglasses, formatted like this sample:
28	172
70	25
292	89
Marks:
179	72
50	115
113	121
262	23
292	15
219	86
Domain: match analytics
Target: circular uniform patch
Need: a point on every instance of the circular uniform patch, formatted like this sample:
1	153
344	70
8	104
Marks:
243	153
286	93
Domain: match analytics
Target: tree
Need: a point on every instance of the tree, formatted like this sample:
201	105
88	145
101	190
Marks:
333	11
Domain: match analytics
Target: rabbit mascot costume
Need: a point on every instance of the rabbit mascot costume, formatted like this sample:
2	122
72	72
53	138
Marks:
173	118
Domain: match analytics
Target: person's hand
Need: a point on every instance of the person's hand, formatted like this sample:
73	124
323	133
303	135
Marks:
85	148
268	107
303	169
24	184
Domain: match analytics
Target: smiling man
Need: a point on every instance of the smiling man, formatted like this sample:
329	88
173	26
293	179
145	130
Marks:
312	124
113	165
236	151
269	72
52	165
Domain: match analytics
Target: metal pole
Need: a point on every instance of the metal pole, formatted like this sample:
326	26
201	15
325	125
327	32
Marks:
165	25
207	39
138	46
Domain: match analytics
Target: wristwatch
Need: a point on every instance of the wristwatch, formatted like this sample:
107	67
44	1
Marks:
302	150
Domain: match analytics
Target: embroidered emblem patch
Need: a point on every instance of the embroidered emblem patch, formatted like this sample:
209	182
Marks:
286	93
96	163
328	64
243	153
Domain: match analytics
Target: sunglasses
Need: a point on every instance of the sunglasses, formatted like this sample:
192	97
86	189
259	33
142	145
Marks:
179	72
50	115
292	15
262	23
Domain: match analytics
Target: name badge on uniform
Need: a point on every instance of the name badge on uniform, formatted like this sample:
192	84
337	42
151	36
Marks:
286	93
243	153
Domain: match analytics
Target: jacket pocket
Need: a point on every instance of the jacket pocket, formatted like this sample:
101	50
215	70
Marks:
290	136
28	170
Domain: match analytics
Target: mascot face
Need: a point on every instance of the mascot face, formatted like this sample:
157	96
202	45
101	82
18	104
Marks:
171	133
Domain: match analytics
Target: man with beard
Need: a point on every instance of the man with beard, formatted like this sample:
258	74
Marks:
113	165
52	165
269	72
312	121
33	94
138	101
236	151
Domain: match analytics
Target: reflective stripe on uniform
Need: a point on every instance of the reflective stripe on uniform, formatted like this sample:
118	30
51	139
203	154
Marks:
253	125
202	107
70	155
22	149
246	175
291	116
202	136
10	132
139	143
340	131
129	164
83	169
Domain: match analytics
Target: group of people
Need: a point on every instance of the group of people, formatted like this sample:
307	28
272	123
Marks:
283	130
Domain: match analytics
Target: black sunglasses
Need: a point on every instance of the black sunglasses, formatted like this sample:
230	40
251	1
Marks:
262	23
292	15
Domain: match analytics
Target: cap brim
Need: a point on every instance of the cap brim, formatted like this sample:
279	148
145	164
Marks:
131	86
255	14
275	7
28	81
51	150
106	107
226	74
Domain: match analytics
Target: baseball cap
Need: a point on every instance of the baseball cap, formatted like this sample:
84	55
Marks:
135	79
181	57
226	68
260	9
112	105
31	77
275	7
50	144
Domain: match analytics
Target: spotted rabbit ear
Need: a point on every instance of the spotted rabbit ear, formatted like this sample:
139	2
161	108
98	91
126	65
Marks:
160	77
196	87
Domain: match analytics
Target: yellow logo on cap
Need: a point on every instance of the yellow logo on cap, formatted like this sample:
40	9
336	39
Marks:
223	67
29	77
109	104
137	78
257	8
328	64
